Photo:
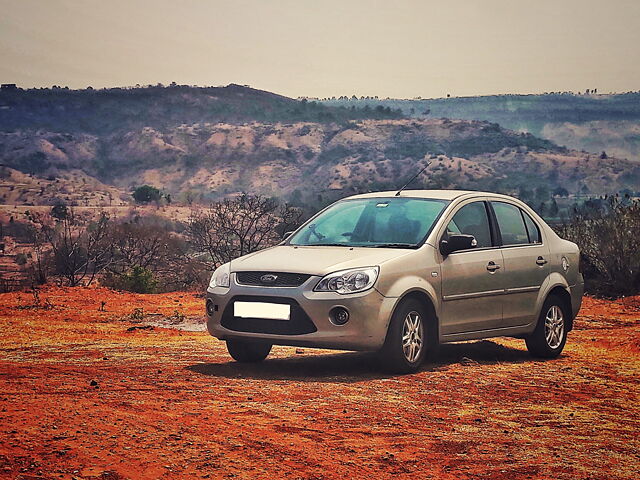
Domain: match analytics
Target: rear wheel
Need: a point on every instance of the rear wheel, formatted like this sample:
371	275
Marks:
248	352
408	338
550	335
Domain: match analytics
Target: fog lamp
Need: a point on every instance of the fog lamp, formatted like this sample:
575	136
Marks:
339	315
210	308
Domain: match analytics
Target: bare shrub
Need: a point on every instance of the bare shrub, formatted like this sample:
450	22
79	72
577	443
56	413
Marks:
146	258
42	260
608	234
79	245
234	227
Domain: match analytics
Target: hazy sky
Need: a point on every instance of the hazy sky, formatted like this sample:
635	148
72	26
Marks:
396	48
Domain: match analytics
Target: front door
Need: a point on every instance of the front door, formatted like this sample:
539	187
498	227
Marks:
472	280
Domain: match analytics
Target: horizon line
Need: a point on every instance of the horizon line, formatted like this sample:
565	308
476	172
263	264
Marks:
587	92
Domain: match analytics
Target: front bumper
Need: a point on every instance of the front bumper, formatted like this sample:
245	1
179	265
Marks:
310	326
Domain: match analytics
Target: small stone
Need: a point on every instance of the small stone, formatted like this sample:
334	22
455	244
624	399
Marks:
467	361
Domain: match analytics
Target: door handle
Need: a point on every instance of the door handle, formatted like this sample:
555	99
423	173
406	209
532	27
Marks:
492	267
541	261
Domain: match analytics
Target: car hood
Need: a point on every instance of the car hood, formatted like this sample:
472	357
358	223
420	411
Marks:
314	260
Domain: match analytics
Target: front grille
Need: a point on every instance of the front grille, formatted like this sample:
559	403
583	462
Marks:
298	324
281	280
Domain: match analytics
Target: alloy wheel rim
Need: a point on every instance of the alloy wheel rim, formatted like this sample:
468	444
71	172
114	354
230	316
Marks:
412	336
554	327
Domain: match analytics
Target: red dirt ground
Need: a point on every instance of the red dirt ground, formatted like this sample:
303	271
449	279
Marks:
169	404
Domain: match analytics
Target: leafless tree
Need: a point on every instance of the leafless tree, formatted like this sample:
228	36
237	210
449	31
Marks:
234	227
137	245
41	266
79	245
152	248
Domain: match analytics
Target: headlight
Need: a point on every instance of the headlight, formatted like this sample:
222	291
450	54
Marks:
220	277
349	281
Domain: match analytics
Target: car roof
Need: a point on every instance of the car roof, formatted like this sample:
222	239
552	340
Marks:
436	194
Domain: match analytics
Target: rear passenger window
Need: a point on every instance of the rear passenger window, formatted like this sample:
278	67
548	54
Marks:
511	224
472	219
532	229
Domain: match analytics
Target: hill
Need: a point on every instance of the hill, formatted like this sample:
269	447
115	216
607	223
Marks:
590	122
125	109
73	187
205	161
192	154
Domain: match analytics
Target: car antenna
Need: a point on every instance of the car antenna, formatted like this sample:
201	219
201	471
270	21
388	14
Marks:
412	179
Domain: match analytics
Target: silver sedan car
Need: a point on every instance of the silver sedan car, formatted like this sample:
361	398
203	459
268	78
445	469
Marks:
400	273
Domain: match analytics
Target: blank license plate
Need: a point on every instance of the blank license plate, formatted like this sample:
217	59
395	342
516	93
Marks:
267	311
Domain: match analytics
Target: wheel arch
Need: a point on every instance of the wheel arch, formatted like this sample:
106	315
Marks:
425	299
555	284
562	293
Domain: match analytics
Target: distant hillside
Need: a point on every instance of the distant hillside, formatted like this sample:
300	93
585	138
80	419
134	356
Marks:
593	123
198	144
312	162
126	109
73	187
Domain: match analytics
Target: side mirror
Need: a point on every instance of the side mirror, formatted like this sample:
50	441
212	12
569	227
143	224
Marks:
457	242
286	235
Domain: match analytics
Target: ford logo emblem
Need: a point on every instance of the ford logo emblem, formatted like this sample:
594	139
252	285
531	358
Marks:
268	278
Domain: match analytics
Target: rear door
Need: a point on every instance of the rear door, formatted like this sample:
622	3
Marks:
525	259
472	280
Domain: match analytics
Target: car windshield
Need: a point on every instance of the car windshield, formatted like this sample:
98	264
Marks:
393	222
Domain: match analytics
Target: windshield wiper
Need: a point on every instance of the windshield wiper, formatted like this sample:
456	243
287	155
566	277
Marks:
395	245
379	245
322	245
312	227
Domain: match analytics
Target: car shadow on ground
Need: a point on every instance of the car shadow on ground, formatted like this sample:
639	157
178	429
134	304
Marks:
358	366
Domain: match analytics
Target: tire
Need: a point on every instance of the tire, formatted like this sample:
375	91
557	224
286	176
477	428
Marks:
410	322
550	335
248	352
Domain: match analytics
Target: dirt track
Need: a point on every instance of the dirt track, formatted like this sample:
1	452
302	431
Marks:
168	404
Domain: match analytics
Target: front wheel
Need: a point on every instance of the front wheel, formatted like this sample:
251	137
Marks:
408	338
550	335
248	352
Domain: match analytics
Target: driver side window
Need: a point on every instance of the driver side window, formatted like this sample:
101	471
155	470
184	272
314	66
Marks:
472	219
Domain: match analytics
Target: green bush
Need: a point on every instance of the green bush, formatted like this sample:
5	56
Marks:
138	280
146	194
59	211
